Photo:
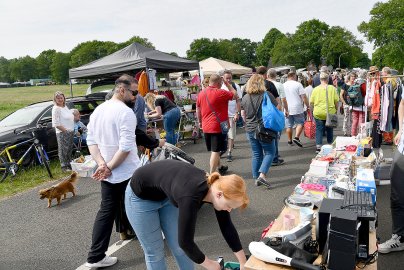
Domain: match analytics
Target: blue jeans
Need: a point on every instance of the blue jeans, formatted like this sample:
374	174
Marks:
262	155
320	127
149	219
171	119
276	156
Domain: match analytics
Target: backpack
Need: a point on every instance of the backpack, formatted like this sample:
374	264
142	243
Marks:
354	95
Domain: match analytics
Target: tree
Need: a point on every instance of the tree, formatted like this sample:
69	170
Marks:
4	70
244	51
44	61
265	47
285	52
144	41
60	67
308	41
89	51
340	45
202	48
385	29
23	69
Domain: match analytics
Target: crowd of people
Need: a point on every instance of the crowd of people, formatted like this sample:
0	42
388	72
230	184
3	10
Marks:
162	199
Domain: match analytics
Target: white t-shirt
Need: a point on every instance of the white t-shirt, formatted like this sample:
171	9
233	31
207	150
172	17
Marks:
112	127
62	116
279	87
308	90
293	92
232	110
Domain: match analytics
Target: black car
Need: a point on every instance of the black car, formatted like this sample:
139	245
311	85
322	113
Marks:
41	114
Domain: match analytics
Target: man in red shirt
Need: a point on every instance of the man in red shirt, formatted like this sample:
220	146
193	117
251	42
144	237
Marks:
212	108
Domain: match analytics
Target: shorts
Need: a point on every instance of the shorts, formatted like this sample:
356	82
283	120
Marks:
232	130
291	120
215	142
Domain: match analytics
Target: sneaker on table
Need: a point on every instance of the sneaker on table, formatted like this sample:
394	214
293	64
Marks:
107	261
393	244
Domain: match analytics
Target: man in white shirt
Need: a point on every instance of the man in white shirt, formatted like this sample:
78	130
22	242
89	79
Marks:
112	143
234	110
294	111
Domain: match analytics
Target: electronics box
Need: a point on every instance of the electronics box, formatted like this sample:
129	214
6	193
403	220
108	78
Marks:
365	181
318	168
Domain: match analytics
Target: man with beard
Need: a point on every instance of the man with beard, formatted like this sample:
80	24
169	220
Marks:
111	140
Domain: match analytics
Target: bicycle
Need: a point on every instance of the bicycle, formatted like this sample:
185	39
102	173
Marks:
8	165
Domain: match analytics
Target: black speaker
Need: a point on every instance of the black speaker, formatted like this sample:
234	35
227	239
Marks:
328	206
338	260
343	234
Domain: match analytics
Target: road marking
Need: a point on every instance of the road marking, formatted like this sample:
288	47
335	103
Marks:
111	250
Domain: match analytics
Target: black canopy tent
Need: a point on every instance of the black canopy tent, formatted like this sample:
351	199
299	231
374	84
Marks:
131	59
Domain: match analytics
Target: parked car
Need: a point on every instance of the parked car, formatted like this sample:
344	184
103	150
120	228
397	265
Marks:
41	114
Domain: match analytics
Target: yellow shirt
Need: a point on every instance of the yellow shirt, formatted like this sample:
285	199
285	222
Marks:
318	99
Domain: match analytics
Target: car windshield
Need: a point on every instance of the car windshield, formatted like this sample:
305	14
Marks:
22	116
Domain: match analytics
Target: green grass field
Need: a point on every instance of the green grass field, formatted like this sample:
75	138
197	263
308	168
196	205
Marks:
12	99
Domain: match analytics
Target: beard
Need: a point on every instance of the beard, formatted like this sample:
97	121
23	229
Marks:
129	103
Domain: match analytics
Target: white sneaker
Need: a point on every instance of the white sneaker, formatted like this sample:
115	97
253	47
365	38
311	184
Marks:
393	244
107	261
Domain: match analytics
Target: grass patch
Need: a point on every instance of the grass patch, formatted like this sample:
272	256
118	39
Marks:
12	99
28	178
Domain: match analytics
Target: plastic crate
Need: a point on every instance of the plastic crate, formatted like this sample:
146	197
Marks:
85	169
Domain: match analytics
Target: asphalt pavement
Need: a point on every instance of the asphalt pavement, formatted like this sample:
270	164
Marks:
35	237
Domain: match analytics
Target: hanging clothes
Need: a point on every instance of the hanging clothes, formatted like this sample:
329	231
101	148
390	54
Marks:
143	84
386	108
151	74
375	109
397	94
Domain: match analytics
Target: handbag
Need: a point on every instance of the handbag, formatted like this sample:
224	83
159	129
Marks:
332	119
262	133
224	125
309	126
272	117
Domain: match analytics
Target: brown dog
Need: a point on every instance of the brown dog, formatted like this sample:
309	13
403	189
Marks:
59	190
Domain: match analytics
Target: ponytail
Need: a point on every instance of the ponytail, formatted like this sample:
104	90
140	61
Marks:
212	178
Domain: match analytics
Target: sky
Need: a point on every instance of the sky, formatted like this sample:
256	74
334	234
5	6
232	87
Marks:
29	27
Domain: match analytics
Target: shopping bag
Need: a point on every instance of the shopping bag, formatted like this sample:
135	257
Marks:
310	127
272	117
145	158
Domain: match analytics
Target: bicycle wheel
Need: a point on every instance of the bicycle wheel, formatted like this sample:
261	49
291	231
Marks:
44	160
3	169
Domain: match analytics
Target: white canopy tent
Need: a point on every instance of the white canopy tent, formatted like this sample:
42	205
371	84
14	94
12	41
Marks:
212	65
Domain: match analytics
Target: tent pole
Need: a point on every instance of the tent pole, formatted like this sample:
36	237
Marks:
71	88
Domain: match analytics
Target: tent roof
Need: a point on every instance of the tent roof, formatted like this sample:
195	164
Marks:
131	58
212	65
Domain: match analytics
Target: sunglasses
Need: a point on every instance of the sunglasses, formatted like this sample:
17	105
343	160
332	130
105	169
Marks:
134	93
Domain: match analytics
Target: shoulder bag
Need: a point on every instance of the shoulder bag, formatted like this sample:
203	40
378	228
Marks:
262	134
224	125
332	119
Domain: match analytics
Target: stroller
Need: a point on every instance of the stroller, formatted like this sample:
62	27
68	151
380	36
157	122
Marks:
169	151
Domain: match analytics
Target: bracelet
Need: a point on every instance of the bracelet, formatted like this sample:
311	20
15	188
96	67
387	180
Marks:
108	167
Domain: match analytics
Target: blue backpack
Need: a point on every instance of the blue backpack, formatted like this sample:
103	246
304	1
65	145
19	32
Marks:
272	117
354	96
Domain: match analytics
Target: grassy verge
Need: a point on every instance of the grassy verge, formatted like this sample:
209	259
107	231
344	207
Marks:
28	178
12	99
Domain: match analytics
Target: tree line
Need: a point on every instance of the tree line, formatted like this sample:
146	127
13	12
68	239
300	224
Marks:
313	43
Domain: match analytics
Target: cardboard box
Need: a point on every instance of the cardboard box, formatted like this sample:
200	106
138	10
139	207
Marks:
365	181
